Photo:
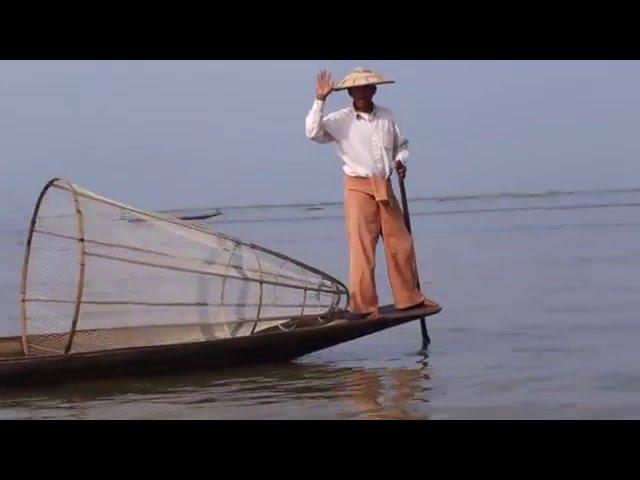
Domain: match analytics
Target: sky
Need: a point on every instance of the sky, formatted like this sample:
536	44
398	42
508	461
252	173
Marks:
178	134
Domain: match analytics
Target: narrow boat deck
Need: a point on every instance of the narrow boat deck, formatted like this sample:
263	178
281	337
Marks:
298	337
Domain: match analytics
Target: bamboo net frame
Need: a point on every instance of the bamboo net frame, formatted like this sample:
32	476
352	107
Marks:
114	266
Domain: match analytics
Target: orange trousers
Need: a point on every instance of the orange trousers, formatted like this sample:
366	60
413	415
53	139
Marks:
371	211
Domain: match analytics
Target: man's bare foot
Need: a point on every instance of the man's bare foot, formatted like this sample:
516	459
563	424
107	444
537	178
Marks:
361	316
428	303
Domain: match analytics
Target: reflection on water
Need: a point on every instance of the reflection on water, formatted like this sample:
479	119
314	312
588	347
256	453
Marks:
271	391
369	387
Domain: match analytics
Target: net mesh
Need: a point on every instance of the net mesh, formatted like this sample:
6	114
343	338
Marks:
138	278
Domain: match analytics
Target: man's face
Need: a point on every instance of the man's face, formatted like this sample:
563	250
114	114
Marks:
362	96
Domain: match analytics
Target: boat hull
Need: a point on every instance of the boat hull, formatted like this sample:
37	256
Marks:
268	347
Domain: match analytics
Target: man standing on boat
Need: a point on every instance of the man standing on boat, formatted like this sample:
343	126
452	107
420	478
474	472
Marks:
371	146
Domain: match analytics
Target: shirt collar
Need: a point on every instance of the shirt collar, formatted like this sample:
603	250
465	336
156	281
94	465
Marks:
365	116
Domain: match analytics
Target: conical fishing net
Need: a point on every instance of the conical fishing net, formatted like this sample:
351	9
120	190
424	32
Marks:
101	275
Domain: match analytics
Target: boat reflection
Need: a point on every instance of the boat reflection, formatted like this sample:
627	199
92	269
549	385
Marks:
289	390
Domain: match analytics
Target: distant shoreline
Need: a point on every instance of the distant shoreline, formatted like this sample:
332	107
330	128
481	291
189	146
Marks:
442	198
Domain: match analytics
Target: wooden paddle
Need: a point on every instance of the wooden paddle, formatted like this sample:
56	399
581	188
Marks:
407	221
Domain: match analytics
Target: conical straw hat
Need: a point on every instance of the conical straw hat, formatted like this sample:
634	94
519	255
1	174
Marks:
360	77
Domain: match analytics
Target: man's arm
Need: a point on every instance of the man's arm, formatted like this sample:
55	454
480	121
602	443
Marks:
315	123
401	151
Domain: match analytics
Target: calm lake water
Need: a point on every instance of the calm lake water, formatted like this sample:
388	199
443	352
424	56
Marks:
541	295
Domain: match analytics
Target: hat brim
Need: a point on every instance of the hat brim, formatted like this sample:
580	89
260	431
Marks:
379	82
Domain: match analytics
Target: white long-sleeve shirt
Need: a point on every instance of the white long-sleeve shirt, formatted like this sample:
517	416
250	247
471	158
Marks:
369	144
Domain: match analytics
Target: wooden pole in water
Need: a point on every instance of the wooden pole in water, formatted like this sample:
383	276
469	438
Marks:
407	221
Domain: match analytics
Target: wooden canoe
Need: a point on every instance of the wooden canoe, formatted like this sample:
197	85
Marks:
278	344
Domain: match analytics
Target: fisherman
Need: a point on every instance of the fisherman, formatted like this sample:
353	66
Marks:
371	146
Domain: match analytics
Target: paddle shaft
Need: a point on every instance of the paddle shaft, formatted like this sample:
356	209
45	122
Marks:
407	221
